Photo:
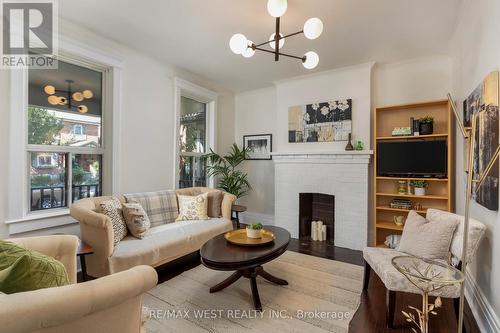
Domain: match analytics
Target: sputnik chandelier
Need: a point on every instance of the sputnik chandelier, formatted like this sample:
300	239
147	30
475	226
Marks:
71	98
313	28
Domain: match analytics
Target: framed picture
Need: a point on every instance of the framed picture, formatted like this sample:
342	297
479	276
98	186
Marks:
260	146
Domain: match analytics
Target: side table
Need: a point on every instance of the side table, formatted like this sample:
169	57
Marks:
83	250
237	209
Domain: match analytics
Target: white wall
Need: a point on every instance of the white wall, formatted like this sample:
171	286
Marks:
476	52
147	119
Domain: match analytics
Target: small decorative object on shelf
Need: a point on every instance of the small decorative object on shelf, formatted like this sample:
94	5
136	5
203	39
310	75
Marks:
426	125
401	131
403	186
254	230
359	145
420	186
408	185
417	206
399	220
416	127
349	144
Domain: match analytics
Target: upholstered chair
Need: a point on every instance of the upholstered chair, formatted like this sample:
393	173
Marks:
379	260
109	304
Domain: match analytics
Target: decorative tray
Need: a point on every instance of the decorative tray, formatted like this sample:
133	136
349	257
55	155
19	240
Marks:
239	237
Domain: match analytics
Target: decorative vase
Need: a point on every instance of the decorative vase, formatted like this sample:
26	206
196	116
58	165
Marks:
349	144
420	191
426	128
254	233
402	186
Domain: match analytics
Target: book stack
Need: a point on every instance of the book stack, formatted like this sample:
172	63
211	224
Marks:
401	203
402	131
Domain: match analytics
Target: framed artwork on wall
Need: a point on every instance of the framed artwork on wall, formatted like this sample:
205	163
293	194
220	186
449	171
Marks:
261	146
320	122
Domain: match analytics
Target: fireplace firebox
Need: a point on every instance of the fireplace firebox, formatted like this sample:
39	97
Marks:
314	207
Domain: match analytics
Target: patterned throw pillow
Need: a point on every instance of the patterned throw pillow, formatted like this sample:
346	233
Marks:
193	208
136	219
161	206
427	239
214	202
22	269
113	209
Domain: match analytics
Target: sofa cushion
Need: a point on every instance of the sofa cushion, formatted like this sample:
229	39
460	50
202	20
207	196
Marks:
379	260
161	206
165	243
113	209
193	208
22	269
136	218
425	238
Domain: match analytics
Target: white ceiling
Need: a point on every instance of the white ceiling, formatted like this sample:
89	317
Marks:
194	34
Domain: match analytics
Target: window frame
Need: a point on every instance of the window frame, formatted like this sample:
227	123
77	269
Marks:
190	90
19	217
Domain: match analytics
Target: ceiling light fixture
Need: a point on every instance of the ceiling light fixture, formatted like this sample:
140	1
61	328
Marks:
312	29
71	96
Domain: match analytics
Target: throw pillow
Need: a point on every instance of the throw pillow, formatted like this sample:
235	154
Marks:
193	208
113	209
136	219
214	202
161	206
22	269
427	239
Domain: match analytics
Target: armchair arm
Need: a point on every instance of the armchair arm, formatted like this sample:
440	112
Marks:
109	304
227	203
60	247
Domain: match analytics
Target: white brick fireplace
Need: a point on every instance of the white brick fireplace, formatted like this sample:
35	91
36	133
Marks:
342	174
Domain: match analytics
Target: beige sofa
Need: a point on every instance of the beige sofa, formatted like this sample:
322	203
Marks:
110	304
163	243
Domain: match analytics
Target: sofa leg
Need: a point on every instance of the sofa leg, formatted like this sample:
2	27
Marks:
366	278
391	308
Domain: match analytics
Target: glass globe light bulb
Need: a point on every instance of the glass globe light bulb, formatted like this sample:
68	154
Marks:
87	94
63	100
78	96
53	100
277	8
238	43
280	43
82	109
249	52
312	60
49	90
313	28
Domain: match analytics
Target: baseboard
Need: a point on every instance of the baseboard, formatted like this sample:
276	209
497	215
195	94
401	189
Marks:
252	217
485	316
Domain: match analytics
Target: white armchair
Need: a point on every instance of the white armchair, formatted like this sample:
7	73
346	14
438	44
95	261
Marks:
379	260
109	304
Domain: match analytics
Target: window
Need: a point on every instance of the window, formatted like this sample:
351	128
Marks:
64	135
192	143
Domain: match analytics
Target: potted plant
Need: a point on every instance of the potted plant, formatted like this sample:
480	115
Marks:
230	179
420	186
426	125
254	230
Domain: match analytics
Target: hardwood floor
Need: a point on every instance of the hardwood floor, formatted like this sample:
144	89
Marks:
370	317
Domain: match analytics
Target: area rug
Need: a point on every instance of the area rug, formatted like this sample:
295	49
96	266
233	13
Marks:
321	296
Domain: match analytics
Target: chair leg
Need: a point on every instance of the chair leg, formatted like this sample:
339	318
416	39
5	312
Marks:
366	279
391	308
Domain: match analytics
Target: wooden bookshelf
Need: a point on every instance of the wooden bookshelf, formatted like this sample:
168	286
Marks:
439	193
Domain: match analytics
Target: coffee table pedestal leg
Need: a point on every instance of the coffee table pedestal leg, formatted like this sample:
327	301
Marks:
251	274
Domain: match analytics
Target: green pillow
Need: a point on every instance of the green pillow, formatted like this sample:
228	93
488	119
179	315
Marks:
22	269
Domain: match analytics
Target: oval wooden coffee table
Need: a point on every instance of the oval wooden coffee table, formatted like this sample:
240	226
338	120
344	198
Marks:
219	254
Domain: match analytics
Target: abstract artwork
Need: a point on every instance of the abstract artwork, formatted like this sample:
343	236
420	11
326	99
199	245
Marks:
260	146
320	122
485	97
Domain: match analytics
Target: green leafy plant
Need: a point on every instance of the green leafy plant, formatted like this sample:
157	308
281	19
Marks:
230	179
255	226
420	183
43	127
427	120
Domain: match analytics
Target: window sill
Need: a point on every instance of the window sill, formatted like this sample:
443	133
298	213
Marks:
40	220
41	215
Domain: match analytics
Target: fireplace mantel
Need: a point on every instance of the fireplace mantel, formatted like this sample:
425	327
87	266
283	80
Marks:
343	174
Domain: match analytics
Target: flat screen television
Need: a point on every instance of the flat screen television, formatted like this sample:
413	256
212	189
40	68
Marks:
412	158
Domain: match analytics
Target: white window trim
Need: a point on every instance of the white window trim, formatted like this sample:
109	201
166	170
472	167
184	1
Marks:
190	90
19	218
